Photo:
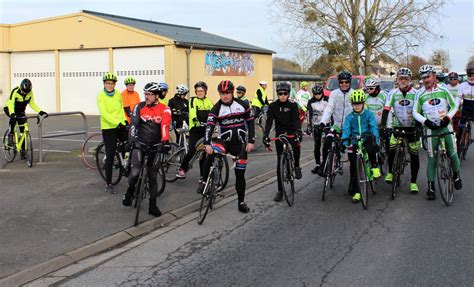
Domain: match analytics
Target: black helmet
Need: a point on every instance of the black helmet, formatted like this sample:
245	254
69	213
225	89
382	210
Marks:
440	76
470	70
25	86
201	84
225	86
241	89
152	87
318	89
344	75
283	86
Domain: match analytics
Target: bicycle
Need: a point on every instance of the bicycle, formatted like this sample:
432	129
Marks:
333	163
88	149
465	139
22	142
120	166
382	155
287	168
364	174
143	184
213	184
399	161
444	171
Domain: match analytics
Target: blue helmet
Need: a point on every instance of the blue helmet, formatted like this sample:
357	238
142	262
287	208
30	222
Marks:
163	87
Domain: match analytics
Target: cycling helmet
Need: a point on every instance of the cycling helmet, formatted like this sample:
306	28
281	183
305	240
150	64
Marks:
152	87
241	89
163	87
404	72
344	75
109	77
25	86
318	89
201	84
182	89
453	76
262	83
304	83
372	82
425	69
440	76
283	86
470	70
129	80
358	96
225	86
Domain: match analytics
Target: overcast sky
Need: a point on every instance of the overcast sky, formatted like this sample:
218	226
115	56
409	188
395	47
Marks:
244	20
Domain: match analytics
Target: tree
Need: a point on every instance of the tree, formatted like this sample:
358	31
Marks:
361	27
441	58
323	66
286	64
415	63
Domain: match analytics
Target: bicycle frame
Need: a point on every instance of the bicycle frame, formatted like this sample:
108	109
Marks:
19	140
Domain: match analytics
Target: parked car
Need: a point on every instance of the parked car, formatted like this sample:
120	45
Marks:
387	84
332	83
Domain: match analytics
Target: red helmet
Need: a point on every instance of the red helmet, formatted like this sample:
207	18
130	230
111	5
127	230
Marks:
453	76
225	86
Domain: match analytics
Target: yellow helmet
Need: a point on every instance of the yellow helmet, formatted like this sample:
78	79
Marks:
304	83
109	77
358	96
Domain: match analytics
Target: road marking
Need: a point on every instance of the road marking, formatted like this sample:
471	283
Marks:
52	132
54	150
66	140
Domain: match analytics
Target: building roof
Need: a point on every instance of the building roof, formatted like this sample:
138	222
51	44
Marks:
284	75
184	36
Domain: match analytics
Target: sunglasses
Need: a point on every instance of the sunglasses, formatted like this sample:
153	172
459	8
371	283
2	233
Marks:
239	92
149	94
371	89
344	82
283	93
453	79
317	94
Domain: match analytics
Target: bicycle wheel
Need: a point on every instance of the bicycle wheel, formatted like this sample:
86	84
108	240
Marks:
88	148
223	178
172	162
464	144
396	173
100	163
206	199
29	149
332	177
382	160
327	172
287	177
445	179
9	149
140	193
363	181
161	181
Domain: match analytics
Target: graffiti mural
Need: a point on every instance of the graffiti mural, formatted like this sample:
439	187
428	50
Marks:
221	63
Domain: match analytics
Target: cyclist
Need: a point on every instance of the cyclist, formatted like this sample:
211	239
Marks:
237	136
112	123
375	103
301	99
179	108
130	98
434	107
440	78
316	107
466	96
163	90
400	102
260	100
199	108
149	126
15	106
338	107
285	114
240	91
453	88
360	122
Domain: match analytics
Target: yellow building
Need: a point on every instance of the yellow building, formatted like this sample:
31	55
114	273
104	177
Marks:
66	56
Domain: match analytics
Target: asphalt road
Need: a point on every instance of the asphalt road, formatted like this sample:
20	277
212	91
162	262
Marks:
406	242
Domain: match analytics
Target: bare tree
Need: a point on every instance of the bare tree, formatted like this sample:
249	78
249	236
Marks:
415	63
362	27
285	64
305	58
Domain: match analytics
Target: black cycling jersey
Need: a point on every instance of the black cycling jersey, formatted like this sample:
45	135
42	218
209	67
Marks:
286	117
179	109
236	122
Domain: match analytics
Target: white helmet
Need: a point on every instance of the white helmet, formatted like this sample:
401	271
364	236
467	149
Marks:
425	69
182	89
404	72
372	82
262	83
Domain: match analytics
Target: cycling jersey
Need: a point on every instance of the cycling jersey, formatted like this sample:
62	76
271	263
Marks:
466	95
198	111
402	104
453	89
286	117
110	109
302	98
434	104
260	99
129	100
179	109
150	124
234	119
356	124
316	110
16	103
376	105
339	106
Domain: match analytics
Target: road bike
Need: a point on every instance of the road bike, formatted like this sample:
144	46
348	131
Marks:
22	142
399	161
333	164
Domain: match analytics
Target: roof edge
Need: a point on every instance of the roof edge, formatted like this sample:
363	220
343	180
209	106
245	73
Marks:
227	48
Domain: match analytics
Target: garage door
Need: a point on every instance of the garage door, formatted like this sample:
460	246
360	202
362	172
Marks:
39	67
144	64
81	79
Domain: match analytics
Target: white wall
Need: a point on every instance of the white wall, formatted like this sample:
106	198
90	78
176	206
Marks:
4	78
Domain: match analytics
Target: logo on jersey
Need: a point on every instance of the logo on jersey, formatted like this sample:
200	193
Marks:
404	103
434	102
153	119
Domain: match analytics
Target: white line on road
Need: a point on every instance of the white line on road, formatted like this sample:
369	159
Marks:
55	150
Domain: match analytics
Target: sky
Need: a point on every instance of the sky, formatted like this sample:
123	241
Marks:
249	21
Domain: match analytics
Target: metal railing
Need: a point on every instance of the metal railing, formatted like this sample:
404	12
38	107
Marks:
59	134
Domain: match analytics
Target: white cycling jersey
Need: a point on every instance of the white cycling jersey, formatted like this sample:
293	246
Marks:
402	107
339	106
302	98
434	104
466	91
376	106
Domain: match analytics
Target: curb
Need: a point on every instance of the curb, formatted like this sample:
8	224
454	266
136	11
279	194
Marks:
37	274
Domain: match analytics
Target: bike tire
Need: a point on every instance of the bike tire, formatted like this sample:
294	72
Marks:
100	163
332	175
206	199
223	179
9	149
287	178
363	182
327	174
88	149
161	181
396	174
29	149
445	179
140	194
465	140
172	163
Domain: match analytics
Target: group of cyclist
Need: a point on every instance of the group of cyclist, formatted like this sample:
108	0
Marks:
434	109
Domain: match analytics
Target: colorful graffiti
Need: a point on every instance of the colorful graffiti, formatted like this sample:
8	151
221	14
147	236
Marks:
221	63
